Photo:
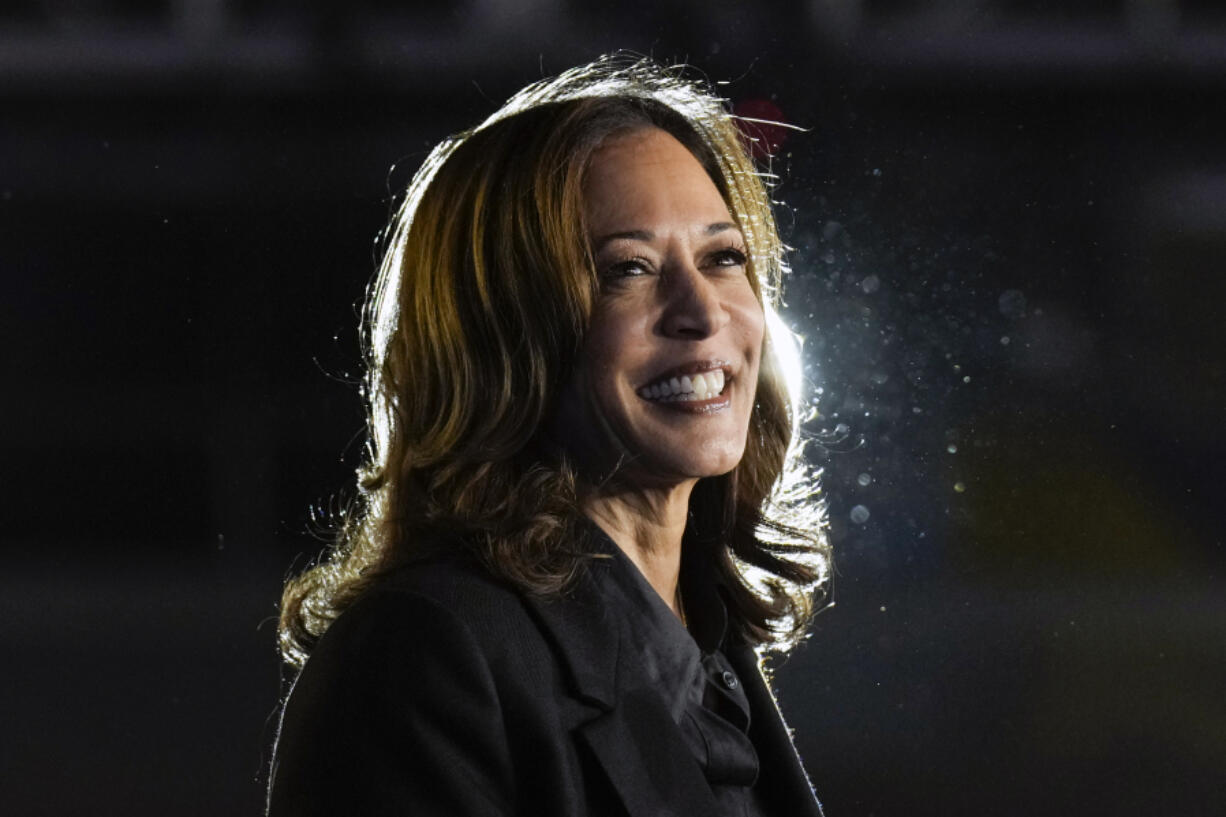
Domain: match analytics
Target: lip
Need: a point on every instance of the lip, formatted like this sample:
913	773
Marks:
691	368
709	406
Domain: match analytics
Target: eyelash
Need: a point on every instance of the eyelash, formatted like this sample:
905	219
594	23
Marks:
736	252
732	252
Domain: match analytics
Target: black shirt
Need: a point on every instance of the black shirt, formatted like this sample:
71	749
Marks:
699	686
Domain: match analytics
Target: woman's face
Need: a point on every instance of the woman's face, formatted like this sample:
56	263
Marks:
672	353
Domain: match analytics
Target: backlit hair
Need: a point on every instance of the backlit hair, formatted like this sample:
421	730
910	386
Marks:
476	320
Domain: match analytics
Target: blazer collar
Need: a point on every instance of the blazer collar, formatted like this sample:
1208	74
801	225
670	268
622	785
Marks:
587	638
623	722
585	629
782	776
601	671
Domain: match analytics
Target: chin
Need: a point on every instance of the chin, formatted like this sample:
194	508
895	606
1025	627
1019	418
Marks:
683	466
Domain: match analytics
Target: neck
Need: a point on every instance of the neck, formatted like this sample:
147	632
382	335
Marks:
648	527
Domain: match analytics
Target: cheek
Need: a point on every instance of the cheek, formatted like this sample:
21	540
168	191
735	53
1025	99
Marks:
751	329
597	355
614	340
600	366
604	368
751	326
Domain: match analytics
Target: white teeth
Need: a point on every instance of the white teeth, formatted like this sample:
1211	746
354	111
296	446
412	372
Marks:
688	387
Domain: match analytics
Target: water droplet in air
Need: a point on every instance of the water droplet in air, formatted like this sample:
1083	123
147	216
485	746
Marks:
864	480
960	487
1012	303
952	448
859	514
871	284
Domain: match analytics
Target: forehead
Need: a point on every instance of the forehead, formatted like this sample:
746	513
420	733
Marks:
645	177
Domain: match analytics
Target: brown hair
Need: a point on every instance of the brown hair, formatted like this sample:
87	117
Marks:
476	320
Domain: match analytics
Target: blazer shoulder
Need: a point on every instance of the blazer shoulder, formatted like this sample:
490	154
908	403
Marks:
404	680
449	579
408	603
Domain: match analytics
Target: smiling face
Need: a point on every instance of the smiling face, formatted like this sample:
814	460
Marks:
672	353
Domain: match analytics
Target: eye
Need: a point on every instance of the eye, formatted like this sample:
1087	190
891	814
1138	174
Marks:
629	268
731	256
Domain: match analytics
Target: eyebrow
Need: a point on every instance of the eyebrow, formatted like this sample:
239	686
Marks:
648	235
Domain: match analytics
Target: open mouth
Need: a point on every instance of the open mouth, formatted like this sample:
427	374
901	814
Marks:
683	388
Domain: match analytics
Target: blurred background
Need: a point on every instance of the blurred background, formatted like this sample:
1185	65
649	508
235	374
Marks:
1008	223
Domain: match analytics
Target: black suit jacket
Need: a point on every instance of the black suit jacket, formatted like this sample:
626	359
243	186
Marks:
444	692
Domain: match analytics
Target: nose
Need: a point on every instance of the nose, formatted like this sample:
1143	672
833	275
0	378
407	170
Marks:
693	307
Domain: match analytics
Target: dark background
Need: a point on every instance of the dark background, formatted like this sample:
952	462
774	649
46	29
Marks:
1009	221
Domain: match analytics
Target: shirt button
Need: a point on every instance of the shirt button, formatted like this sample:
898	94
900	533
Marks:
729	679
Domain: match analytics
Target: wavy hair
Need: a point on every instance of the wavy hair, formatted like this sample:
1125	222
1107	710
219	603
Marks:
476	319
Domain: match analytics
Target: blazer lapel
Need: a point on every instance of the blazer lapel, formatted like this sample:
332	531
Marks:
782	778
646	759
620	719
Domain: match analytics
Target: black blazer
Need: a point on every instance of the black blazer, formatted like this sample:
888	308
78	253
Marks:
444	692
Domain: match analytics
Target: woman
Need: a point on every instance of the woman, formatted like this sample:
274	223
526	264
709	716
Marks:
573	532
